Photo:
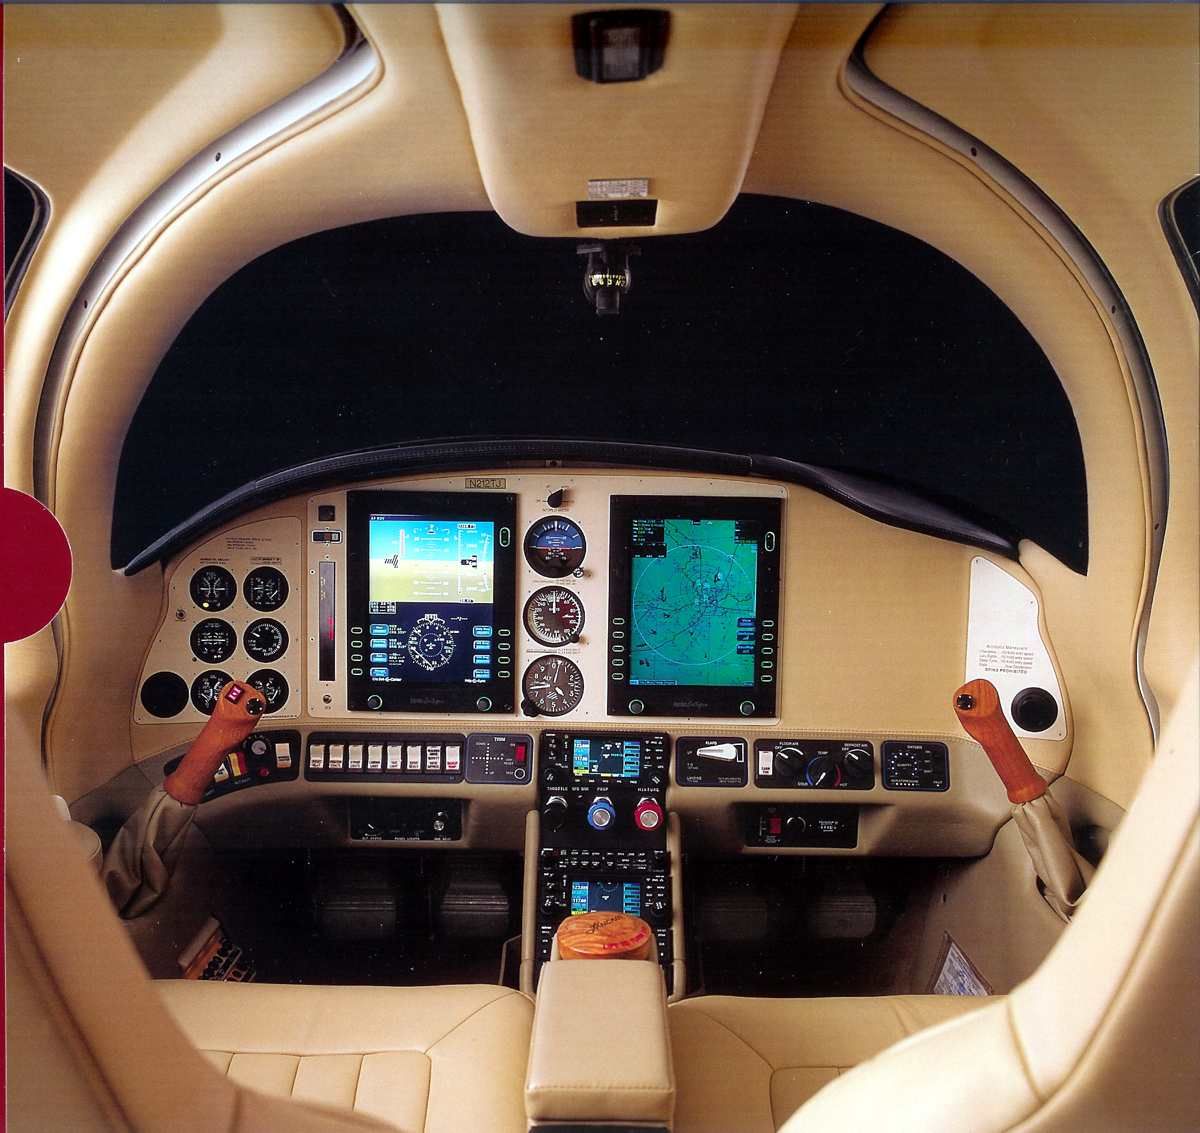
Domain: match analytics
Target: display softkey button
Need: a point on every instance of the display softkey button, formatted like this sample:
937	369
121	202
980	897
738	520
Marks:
395	757
337	756
375	757
412	757
354	759
316	757
453	757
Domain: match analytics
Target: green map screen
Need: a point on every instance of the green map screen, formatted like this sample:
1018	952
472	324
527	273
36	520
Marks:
694	603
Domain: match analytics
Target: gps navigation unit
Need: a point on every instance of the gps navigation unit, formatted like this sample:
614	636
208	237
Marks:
693	606
431	601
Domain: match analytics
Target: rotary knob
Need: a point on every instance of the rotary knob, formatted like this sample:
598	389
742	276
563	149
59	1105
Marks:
600	814
554	813
793	830
858	763
789	762
647	815
822	772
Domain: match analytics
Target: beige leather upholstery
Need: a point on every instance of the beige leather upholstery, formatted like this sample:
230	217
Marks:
600	1049
421	1059
1104	1034
749	1064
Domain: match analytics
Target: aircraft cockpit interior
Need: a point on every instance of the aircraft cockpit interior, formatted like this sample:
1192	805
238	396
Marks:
631	568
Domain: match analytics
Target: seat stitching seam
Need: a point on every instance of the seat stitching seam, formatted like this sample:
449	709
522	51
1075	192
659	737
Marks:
362	1058
725	1026
505	993
295	1076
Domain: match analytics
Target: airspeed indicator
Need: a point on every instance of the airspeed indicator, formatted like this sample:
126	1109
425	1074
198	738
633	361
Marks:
554	616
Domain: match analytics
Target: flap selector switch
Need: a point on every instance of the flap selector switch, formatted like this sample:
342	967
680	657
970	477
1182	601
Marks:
647	815
600	814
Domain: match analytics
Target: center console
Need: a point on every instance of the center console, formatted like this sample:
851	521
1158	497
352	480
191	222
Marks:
603	842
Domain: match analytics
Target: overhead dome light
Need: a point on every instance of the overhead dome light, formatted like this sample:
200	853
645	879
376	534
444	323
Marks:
621	46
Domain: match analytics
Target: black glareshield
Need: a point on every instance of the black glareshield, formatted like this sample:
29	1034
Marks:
431	601
694	606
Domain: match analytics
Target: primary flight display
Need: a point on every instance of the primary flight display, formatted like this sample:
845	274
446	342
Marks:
430	600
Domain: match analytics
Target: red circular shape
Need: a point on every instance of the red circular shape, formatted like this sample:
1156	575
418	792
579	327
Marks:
35	568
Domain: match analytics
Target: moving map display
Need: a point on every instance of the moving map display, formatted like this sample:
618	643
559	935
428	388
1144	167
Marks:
430	601
695	601
693	605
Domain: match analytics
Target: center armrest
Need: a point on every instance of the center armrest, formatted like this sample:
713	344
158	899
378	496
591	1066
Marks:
600	1050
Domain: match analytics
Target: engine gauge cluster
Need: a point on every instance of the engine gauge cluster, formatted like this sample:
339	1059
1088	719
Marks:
230	614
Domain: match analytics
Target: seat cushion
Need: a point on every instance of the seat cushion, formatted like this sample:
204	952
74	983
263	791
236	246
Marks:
749	1064
422	1059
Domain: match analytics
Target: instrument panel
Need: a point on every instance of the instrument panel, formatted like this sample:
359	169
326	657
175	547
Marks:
522	600
547	597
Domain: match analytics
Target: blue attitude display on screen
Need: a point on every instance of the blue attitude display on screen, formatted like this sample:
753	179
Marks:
431	599
694	603
606	896
610	759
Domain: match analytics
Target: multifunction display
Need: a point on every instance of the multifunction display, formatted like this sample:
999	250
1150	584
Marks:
588	896
607	758
431	601
693	606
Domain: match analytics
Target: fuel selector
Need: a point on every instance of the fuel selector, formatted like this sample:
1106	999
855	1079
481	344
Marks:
815	765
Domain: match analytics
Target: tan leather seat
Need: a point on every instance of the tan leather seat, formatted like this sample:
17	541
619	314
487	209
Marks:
1102	1036
421	1059
749	1064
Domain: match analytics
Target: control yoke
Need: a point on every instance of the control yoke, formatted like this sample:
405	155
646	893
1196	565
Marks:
235	714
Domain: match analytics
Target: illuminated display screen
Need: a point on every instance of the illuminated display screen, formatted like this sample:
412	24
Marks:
694	602
611	759
430	600
606	896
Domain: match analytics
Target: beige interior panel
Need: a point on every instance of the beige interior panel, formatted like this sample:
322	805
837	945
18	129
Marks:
540	132
857	158
1102	109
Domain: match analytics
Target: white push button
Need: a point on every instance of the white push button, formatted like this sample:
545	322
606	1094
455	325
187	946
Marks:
412	757
453	757
395	757
375	757
433	757
337	756
283	755
766	761
316	757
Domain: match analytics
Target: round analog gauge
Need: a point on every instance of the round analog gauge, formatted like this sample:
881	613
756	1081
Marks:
207	687
555	546
272	685
552	686
430	642
213	641
265	589
265	639
554	615
213	588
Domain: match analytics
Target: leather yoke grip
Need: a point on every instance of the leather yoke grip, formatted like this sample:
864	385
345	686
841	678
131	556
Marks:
977	705
235	715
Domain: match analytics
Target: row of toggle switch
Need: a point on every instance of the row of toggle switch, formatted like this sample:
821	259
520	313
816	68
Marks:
393	758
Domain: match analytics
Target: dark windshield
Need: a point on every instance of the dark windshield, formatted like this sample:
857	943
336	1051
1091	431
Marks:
790	329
